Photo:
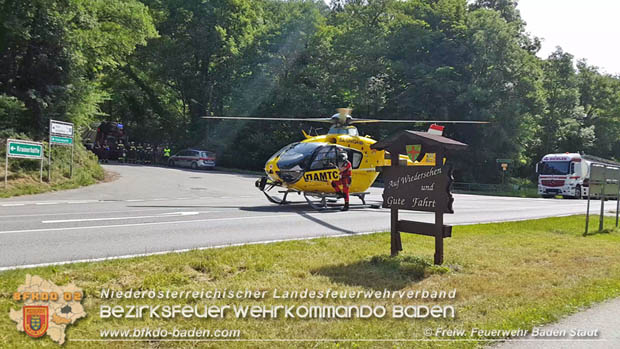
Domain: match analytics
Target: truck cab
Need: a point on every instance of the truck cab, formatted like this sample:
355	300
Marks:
563	174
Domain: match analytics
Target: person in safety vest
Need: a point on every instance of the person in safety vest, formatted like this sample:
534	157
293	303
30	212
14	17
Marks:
344	167
166	154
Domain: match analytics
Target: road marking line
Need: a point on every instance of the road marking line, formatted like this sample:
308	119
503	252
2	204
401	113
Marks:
47	203
10	205
135	200
143	224
88	212
163	215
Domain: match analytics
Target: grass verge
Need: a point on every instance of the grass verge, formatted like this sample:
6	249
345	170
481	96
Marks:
24	175
513	275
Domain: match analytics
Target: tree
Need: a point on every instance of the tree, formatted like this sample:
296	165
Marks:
196	58
503	87
35	61
561	124
56	52
600	100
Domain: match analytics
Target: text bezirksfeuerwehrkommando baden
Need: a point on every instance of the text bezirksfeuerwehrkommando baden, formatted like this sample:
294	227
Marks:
276	294
273	311
303	311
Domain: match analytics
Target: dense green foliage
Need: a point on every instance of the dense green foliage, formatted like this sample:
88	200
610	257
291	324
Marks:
54	56
159	65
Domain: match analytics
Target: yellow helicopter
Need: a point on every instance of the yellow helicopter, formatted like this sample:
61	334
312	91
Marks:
308	167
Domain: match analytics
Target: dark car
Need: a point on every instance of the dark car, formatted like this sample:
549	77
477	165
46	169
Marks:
193	158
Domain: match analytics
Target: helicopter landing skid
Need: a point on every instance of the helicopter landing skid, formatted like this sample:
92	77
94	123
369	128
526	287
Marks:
277	200
324	198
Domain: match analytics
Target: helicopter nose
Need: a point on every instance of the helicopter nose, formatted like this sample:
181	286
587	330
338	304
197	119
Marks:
271	170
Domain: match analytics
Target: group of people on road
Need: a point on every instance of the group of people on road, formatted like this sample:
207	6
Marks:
132	152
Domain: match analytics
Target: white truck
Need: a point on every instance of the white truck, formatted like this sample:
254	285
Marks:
566	174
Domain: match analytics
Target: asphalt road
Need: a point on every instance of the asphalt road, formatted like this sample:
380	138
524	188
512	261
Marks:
155	210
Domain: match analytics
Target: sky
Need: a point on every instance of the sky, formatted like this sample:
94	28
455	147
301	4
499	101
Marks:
587	29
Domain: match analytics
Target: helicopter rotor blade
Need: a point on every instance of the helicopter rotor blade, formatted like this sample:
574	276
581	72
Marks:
328	120
363	121
354	121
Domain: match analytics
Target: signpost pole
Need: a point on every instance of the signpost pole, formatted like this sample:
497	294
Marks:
588	211
438	238
41	167
49	155
618	202
71	166
600	223
395	242
394	248
6	166
439	218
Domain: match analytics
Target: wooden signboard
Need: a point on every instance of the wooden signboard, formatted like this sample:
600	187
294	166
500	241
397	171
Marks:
418	188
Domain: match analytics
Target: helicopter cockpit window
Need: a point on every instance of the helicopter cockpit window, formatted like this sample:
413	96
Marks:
327	157
282	150
297	157
324	158
356	159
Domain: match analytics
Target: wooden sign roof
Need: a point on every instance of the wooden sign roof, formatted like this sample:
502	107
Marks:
398	142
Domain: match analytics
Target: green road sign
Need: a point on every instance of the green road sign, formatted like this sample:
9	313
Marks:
22	149
503	161
61	140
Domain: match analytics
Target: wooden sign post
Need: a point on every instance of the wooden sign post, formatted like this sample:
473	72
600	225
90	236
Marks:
418	187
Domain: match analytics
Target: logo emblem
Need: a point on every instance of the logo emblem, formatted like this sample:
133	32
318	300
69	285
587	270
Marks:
413	151
35	320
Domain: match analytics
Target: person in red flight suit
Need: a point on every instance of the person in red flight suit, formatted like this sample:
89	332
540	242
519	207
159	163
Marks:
344	167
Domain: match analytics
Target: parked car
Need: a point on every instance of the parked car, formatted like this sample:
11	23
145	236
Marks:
193	158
